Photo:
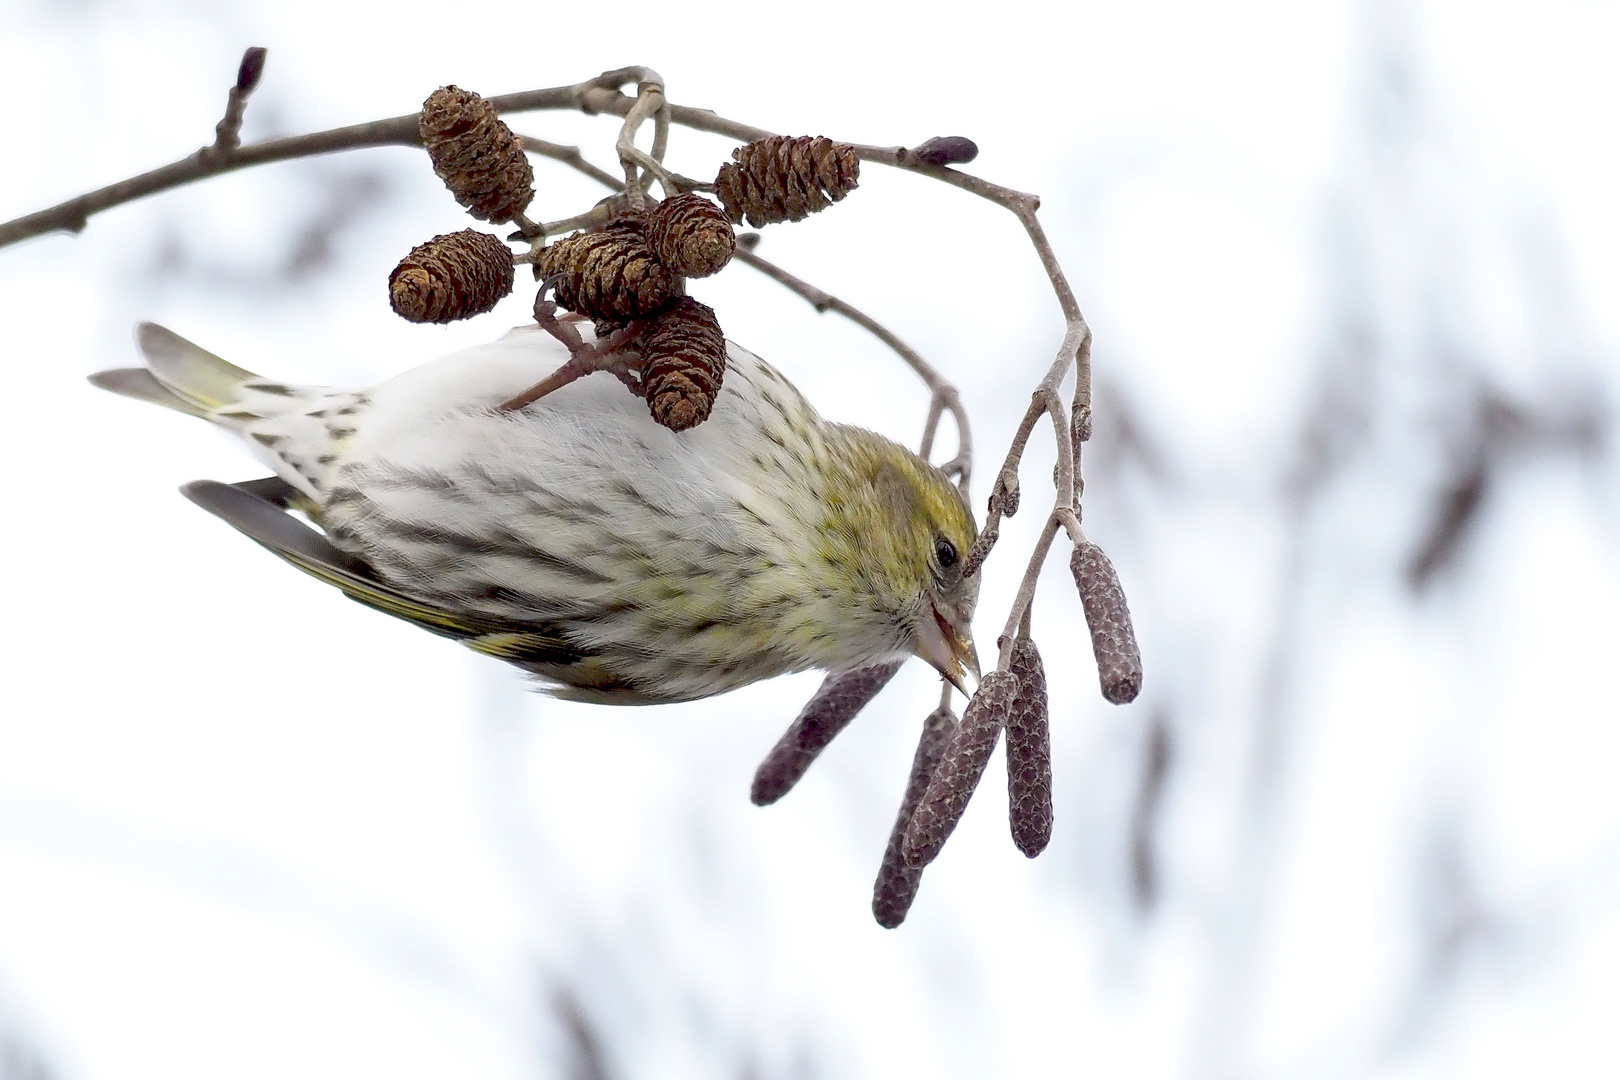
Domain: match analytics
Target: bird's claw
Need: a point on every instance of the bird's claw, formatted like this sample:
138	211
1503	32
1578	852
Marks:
605	354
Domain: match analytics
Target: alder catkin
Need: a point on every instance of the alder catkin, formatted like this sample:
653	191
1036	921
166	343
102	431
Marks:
841	696
779	178
1113	641
1029	753
683	360
453	276
610	275
960	769
691	235
897	880
477	156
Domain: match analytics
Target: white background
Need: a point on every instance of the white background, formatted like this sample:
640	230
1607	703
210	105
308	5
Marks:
250	829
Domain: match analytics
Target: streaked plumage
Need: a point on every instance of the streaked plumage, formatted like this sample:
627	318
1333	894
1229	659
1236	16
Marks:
578	539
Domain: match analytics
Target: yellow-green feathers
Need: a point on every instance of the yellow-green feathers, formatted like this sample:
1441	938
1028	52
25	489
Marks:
883	511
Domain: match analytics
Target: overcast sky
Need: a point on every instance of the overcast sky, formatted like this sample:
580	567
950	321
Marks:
1351	269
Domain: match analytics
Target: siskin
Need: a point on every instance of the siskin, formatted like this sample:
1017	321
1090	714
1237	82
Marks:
618	561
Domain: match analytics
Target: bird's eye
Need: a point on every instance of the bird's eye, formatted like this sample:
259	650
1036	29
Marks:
945	552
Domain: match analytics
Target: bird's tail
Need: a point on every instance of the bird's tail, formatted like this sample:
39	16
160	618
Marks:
178	375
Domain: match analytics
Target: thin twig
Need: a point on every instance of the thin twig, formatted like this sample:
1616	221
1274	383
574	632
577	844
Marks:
649	102
945	396
527	229
1062	517
936	409
570	156
75	213
228	132
659	146
594	218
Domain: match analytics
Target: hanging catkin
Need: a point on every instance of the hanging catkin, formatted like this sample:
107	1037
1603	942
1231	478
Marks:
1113	641
1029	753
960	768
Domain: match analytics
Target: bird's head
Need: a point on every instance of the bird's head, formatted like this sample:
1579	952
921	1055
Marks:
905	531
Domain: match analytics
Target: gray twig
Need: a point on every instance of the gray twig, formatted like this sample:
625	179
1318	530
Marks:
570	156
897	880
945	396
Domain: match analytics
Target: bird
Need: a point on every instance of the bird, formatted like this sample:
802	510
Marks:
611	558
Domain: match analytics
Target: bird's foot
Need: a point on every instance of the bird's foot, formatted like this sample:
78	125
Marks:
606	354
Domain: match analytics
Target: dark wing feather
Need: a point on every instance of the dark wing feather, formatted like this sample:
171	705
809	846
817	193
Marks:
272	489
256	509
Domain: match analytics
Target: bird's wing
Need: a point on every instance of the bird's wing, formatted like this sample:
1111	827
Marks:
257	509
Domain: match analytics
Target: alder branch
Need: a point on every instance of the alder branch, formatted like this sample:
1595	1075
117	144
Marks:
570	156
945	397
74	214
649	102
936	798
601	95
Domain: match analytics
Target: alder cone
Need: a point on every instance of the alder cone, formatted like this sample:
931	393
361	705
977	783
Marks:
683	360
453	276
691	235
611	276
477	156
779	178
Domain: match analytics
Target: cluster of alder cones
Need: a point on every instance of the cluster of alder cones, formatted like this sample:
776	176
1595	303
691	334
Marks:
629	275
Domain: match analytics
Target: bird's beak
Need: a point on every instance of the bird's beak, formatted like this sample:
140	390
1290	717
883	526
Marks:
946	642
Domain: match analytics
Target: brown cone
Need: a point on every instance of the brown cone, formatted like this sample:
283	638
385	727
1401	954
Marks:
786	179
683	360
454	276
691	235
611	275
476	155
